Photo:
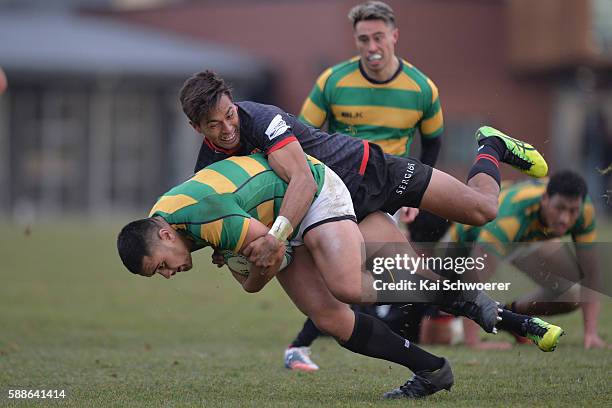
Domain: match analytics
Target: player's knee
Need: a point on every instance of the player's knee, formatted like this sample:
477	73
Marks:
490	211
487	211
347	293
327	323
572	298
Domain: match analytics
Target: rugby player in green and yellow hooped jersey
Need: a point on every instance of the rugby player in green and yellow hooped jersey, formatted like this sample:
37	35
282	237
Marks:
522	218
226	205
387	113
535	211
229	204
215	206
382	98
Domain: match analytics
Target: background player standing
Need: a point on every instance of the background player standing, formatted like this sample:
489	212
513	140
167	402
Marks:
382	98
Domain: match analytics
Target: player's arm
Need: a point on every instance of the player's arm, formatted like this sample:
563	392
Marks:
238	231
430	149
240	278
431	128
258	276
590	303
315	107
583	237
289	163
217	258
3	83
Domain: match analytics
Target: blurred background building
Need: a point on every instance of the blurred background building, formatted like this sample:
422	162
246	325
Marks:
90	123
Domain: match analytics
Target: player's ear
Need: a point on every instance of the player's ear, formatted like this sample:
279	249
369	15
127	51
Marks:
166	234
395	34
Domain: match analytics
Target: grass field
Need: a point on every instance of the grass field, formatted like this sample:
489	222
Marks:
72	319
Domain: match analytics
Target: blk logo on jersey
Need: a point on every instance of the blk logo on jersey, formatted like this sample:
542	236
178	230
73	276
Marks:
277	127
352	115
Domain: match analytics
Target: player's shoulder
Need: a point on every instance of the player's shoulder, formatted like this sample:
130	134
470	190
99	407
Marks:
335	73
520	197
261	117
416	74
346	67
174	202
250	164
255	109
587	212
525	190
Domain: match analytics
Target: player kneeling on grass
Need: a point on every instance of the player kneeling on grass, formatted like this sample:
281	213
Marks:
538	213
229	204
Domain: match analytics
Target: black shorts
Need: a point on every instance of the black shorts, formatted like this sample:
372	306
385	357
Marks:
390	183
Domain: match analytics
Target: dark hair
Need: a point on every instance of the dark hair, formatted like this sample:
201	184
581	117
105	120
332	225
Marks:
134	243
201	93
372	10
568	184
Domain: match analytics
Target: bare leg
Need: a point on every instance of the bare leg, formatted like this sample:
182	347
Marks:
379	227
471	336
356	332
474	203
555	269
337	250
306	287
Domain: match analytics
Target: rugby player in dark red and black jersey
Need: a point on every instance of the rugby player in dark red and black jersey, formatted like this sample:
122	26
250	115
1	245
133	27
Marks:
375	180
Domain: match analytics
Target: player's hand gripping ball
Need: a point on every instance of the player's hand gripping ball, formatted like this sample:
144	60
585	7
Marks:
241	265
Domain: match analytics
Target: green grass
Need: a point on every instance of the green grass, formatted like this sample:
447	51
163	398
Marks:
71	318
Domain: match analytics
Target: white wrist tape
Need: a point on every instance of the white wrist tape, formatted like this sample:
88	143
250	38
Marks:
281	229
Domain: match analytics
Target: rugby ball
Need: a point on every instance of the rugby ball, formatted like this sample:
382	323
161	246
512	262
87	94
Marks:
241	265
237	263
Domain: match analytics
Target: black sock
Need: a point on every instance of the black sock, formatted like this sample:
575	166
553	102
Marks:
495	143
307	335
513	322
373	338
511	306
490	152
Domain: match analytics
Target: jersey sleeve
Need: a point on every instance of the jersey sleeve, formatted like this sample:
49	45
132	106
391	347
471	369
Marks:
272	129
227	230
432	123
316	107
217	220
584	229
499	233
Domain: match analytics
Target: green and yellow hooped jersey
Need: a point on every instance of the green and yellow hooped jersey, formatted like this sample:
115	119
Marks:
518	219
387	114
215	206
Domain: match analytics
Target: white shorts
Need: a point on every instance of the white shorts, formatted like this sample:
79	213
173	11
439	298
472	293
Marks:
334	203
